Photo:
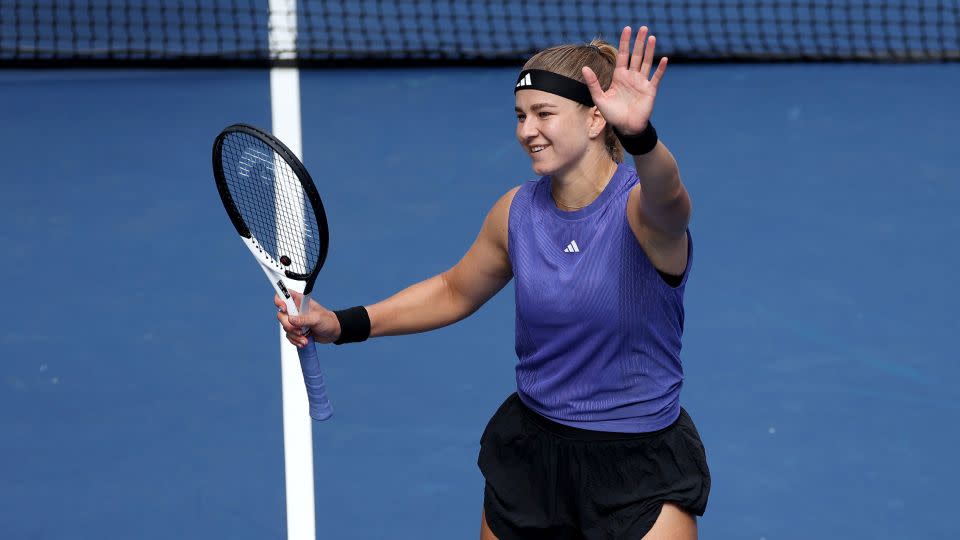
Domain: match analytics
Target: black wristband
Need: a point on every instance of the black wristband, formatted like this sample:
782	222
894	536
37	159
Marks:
354	325
639	144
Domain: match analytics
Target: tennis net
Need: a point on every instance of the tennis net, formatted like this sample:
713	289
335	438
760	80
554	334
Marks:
329	32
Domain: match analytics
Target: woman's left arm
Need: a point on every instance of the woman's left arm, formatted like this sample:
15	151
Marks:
663	205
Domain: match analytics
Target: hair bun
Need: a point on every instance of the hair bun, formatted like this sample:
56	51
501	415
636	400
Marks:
606	49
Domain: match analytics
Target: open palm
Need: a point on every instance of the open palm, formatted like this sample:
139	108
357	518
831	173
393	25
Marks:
628	103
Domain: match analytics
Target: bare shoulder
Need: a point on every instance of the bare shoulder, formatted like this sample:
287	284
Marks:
485	268
502	207
498	219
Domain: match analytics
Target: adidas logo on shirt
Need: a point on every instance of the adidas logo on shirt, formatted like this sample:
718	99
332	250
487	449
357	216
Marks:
572	247
526	81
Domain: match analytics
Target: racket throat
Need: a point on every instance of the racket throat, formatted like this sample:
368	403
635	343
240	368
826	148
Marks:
288	298
282	283
282	288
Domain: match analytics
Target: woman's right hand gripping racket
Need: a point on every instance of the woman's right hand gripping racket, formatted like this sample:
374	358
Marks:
275	207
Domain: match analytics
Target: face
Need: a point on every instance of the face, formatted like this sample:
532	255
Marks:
554	131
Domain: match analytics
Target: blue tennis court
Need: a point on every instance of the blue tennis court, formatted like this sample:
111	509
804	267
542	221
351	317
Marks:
140	398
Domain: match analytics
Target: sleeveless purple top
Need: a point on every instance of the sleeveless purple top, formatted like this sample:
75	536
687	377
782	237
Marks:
598	329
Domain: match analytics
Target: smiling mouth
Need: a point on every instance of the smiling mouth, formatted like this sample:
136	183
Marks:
537	148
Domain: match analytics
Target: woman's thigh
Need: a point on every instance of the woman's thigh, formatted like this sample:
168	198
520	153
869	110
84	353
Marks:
485	532
673	523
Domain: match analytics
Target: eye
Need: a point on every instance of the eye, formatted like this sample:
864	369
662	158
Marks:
521	117
543	114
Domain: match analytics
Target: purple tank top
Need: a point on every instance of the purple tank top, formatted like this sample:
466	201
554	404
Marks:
598	330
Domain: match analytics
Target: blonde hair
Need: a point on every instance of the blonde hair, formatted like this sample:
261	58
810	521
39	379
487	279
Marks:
567	60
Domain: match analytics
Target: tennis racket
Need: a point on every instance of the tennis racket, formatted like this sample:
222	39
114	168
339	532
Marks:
275	207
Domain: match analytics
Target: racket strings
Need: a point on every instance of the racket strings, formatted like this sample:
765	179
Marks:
271	201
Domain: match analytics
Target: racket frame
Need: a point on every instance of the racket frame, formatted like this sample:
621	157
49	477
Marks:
309	189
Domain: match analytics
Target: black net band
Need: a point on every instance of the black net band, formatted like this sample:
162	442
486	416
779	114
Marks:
332	32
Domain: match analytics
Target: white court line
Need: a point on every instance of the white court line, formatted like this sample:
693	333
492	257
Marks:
297	425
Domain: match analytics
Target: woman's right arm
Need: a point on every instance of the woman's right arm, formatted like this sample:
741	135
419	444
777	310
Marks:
435	302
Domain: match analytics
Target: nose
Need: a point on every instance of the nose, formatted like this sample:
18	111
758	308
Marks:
528	128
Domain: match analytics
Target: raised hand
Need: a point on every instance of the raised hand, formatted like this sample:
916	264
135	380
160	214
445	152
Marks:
628	102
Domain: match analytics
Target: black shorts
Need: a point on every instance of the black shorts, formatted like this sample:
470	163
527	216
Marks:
545	480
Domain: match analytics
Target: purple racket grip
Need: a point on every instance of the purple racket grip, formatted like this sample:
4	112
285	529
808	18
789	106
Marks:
320	408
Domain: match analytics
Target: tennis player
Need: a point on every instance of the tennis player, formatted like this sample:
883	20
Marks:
594	444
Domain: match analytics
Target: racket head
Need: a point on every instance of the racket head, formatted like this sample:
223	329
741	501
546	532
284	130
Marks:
272	201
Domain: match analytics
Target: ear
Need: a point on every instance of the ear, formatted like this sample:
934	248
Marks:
597	123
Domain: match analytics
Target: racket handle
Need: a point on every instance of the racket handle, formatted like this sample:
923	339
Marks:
320	408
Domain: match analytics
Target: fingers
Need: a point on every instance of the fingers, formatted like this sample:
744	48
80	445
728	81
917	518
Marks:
658	74
648	57
297	341
297	297
297	328
295	333
593	83
643	53
294	328
624	52
637	56
291	323
284	320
